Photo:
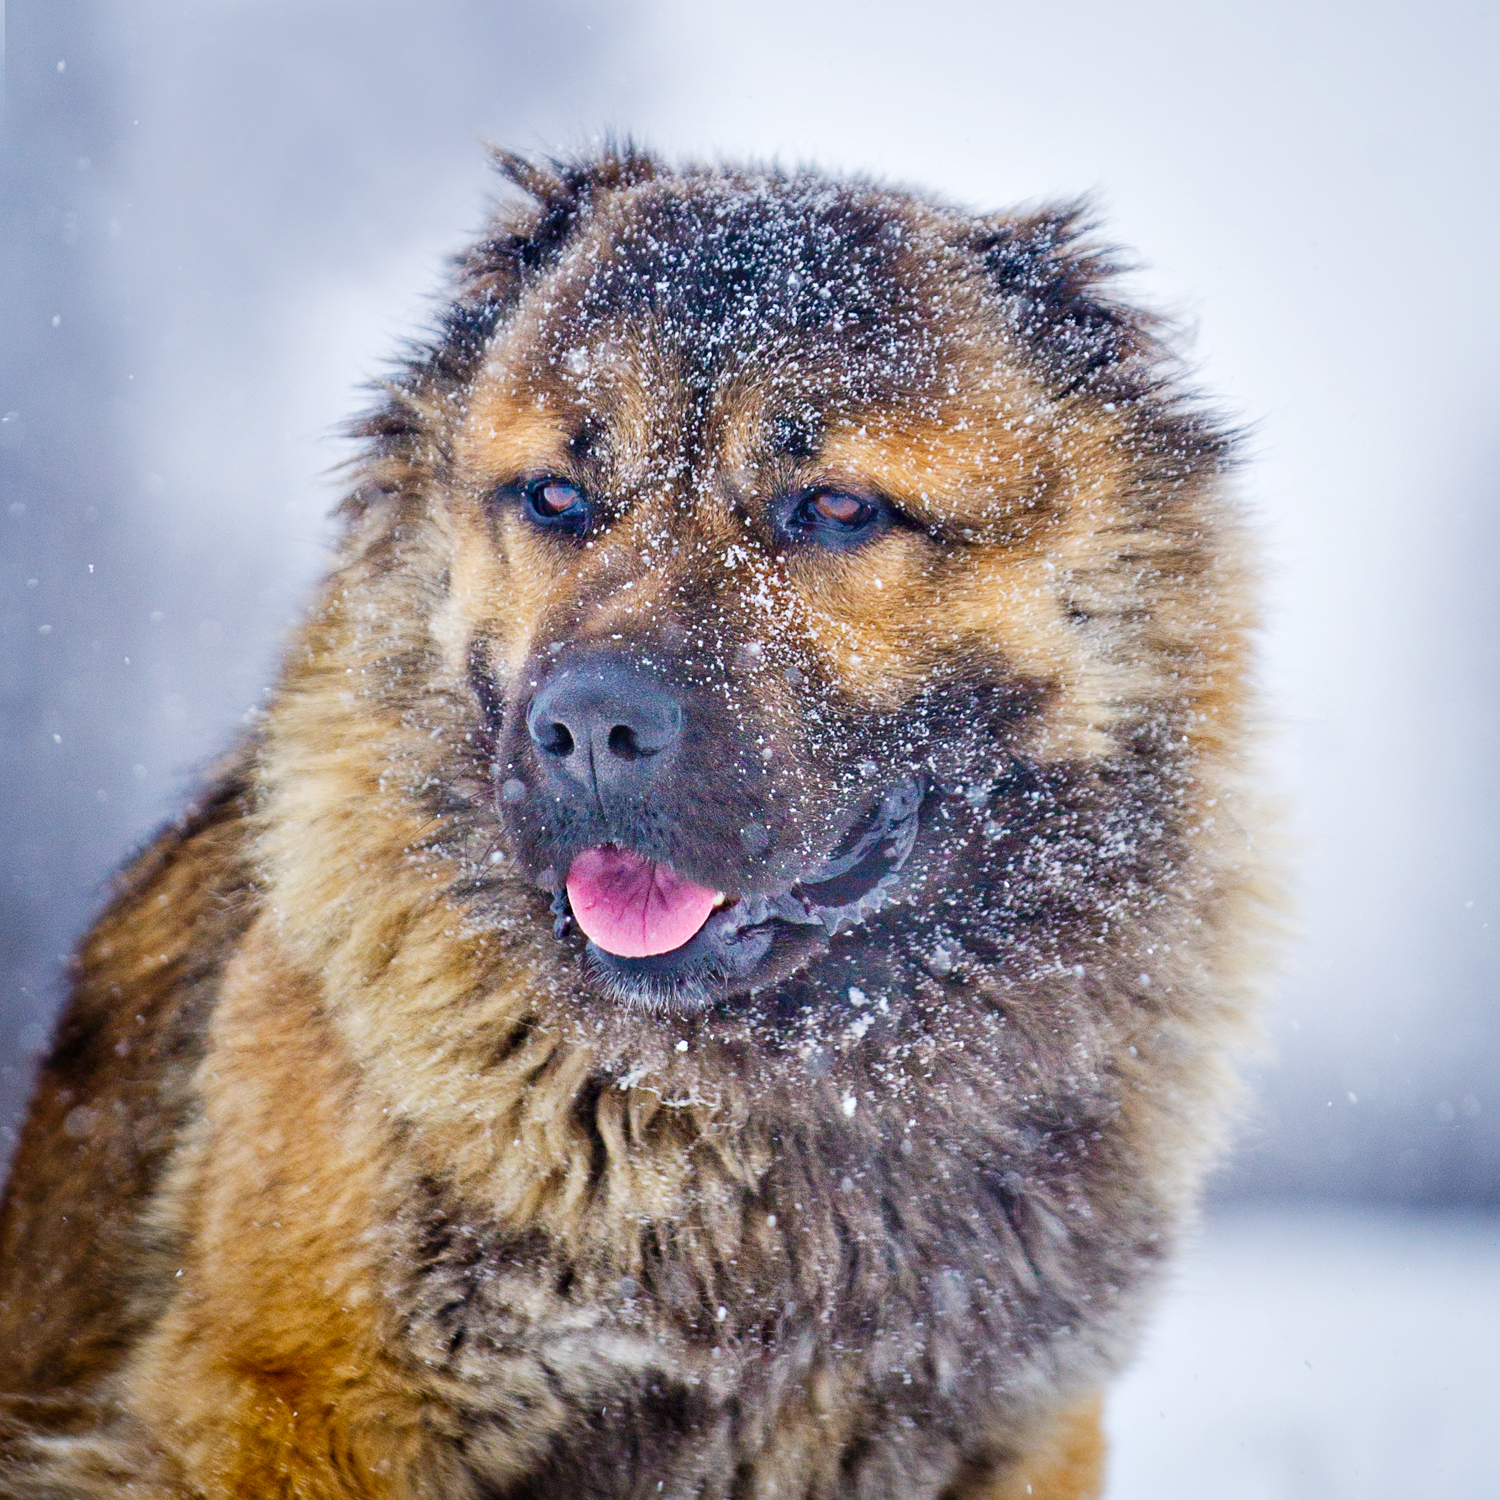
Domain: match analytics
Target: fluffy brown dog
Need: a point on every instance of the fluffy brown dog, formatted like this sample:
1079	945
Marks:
713	976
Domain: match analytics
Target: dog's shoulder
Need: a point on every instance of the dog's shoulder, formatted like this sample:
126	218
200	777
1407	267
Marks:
115	1094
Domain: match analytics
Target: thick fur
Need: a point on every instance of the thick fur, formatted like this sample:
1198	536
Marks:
347	1177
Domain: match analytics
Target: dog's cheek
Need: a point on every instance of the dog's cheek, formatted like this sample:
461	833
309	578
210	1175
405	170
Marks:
483	599
877	623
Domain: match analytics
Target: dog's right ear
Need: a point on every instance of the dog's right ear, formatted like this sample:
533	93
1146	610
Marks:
404	432
528	236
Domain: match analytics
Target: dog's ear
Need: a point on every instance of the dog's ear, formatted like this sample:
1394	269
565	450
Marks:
1053	285
528	236
525	238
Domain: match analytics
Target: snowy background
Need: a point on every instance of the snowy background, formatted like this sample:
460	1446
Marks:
220	216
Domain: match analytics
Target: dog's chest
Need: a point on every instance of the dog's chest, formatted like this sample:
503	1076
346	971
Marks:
614	1400
639	1385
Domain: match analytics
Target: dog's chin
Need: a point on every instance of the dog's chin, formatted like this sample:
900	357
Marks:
717	966
763	938
700	974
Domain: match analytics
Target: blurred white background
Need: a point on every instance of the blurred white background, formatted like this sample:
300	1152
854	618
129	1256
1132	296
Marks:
219	217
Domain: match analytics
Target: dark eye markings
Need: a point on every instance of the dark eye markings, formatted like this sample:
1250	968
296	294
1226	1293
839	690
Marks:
552	503
835	518
824	516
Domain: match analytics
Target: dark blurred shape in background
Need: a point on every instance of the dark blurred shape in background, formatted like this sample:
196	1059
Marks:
219	219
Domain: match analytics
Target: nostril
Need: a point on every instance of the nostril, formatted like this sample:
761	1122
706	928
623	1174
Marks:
555	739
623	743
602	719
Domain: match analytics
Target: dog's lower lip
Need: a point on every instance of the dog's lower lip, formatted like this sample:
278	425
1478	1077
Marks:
735	935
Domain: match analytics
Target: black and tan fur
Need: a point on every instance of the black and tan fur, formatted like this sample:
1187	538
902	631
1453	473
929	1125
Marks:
346	1177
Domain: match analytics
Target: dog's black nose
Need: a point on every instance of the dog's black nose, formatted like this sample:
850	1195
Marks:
603	723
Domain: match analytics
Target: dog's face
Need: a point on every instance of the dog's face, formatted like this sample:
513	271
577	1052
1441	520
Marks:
774	570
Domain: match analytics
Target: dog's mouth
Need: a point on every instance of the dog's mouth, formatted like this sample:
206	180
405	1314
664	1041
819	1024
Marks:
653	931
632	907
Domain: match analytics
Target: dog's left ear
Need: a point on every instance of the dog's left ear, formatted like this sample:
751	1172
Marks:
1053	282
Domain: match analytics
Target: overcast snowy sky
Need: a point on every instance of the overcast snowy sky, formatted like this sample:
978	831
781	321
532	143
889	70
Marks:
220	217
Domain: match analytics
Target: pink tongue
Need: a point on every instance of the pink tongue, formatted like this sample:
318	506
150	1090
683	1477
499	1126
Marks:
633	907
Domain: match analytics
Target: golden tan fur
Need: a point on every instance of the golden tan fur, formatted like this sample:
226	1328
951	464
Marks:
380	1188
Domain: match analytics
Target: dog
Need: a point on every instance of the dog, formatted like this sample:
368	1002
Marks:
717	972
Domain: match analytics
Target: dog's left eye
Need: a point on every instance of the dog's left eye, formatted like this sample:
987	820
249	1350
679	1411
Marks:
556	504
834	518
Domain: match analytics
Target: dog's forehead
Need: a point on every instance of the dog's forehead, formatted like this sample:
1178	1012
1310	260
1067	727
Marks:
787	306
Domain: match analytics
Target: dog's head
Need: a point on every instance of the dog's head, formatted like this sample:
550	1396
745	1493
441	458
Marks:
793	553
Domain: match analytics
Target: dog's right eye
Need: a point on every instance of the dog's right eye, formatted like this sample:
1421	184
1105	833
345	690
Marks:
557	504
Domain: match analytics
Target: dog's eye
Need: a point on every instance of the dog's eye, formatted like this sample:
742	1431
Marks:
557	504
842	510
834	518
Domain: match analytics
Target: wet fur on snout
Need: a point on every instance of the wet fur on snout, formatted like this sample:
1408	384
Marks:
349	1176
